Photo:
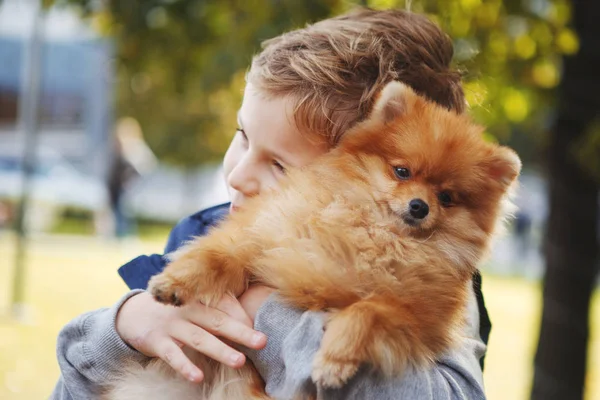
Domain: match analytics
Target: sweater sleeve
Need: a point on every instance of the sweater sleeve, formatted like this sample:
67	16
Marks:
89	351
294	338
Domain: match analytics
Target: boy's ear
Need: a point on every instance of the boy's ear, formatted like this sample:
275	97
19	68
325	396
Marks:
503	166
395	100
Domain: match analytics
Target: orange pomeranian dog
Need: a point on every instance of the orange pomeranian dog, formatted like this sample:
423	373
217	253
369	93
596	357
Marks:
384	232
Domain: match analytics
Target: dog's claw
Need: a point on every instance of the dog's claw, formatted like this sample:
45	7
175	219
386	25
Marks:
175	300
328	373
162	290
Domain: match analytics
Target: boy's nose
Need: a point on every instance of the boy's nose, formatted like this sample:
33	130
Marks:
242	180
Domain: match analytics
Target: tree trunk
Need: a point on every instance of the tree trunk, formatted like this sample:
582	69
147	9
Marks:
571	245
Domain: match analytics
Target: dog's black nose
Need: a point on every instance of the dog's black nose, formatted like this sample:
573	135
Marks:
418	208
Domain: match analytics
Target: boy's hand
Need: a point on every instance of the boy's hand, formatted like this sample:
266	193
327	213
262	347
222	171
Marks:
253	298
160	331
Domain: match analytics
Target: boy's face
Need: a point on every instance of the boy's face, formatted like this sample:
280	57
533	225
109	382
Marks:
266	144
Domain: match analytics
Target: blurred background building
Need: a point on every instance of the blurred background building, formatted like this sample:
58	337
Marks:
75	148
75	111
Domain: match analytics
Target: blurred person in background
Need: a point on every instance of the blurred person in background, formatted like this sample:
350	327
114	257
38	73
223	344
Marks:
291	113
522	231
5	214
131	159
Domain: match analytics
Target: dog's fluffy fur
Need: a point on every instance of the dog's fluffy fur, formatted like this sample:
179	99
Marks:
339	236
158	380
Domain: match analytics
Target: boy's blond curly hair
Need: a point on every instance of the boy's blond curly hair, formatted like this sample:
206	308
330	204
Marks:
333	69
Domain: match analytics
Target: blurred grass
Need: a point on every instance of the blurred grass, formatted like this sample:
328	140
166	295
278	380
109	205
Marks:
70	275
75	222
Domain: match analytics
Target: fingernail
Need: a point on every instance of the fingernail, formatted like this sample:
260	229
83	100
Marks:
257	339
235	358
194	376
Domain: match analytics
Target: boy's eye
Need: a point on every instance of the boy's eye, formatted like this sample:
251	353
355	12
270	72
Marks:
445	198
241	132
402	173
244	143
280	167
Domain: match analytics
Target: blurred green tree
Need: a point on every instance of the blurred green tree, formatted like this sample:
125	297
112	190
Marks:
510	52
180	64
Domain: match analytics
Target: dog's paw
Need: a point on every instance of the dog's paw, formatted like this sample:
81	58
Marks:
167	290
329	373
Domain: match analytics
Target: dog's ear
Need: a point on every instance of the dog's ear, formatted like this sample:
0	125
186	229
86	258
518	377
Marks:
502	166
395	99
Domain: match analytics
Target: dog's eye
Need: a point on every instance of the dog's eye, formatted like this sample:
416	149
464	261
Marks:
402	173
445	198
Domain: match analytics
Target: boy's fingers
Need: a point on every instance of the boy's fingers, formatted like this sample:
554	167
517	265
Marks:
232	307
220	324
207	344
172	354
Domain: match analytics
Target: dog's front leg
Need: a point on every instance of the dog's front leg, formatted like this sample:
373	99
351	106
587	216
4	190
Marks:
207	268
387	332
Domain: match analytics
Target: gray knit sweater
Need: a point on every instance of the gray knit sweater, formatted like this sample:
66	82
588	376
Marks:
90	352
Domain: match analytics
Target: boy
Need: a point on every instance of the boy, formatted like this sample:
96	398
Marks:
304	90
